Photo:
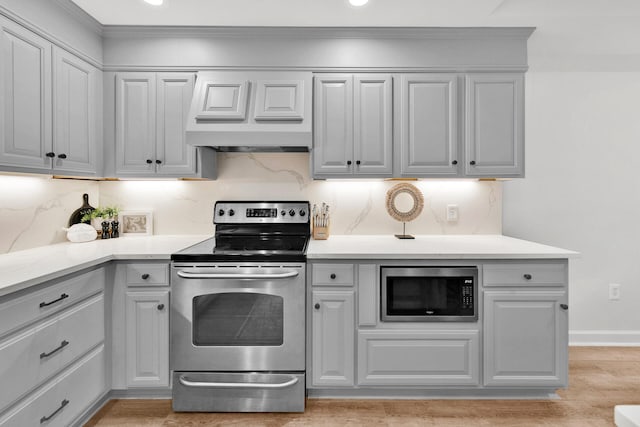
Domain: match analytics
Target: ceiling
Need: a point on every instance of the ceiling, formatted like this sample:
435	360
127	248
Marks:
419	13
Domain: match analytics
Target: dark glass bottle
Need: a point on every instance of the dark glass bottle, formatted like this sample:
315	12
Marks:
105	230
114	229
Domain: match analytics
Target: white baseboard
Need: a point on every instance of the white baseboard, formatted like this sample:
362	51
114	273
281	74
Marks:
605	338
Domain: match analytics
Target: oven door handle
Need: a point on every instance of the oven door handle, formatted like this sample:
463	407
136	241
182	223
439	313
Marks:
251	276
188	383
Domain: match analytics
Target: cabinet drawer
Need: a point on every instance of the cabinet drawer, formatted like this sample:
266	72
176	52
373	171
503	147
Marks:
429	358
147	274
20	311
39	353
332	275
524	274
79	387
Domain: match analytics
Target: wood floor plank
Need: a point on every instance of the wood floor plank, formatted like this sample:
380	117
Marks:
599	379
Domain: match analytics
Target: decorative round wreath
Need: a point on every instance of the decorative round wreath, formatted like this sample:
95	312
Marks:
418	202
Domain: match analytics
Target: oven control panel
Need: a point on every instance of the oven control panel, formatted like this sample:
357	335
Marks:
231	212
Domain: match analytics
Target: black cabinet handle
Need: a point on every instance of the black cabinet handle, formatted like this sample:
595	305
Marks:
564	306
317	306
472	162
64	403
62	345
62	156
348	162
357	162
149	161
333	275
158	162
63	296
455	162
160	306
528	276
50	154
145	276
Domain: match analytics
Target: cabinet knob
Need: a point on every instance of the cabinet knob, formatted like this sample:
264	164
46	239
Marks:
348	162
145	276
149	161
333	275
160	306
564	306
158	162
455	162
528	276
472	162
317	306
50	154
357	162
62	156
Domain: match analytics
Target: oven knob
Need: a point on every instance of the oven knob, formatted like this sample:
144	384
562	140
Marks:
232	212
302	212
221	212
292	212
283	212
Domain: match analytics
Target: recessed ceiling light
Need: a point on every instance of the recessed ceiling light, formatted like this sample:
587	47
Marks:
358	2
154	2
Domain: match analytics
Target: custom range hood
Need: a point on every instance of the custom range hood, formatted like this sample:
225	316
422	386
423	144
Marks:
251	111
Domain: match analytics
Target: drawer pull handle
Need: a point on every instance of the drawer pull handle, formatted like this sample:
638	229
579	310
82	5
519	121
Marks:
160	307
564	306
63	344
528	276
317	306
64	403
145	276
63	296
333	275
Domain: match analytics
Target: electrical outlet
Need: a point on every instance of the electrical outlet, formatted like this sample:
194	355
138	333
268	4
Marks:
452	213
614	291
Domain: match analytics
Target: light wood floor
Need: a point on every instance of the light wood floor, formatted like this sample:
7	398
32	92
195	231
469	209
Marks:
599	379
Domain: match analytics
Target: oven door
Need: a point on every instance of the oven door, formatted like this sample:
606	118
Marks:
238	317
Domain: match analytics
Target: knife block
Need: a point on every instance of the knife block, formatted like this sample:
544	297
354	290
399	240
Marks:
320	233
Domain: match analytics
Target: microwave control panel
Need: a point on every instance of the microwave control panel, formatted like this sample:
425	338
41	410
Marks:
467	293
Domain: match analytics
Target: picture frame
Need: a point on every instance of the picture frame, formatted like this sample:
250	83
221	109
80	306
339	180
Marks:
136	223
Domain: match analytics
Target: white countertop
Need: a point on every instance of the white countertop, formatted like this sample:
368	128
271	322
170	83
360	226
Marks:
487	246
21	269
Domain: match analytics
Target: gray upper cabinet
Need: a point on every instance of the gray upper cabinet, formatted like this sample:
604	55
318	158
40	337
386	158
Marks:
222	99
428	125
75	114
279	100
353	131
151	115
51	106
494	128
25	89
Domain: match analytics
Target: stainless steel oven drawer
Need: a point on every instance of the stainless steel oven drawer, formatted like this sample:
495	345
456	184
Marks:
238	392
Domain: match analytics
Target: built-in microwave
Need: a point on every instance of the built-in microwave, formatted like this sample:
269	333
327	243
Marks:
428	294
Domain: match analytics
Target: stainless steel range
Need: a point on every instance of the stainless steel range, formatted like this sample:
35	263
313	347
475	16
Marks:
238	312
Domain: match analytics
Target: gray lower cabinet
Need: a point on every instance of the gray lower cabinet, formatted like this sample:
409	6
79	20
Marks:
147	336
353	133
494	128
50	112
333	326
151	114
525	338
428	358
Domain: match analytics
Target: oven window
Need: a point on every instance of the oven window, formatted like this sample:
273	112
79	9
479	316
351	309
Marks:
238	319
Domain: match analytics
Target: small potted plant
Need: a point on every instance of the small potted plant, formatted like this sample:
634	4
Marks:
95	218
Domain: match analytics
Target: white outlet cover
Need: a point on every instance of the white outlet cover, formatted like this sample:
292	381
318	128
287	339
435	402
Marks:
452	213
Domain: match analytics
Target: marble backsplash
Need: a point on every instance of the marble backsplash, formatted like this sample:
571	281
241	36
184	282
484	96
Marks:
32	213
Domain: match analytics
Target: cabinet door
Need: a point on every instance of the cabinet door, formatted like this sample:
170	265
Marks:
135	124
25	97
147	340
74	115
428	125
333	325
525	338
333	125
372	124
494	125
174	98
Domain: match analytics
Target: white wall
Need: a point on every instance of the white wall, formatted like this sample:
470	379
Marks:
581	191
